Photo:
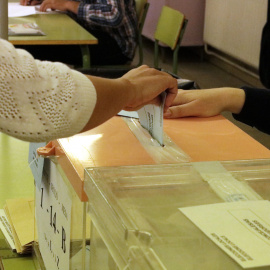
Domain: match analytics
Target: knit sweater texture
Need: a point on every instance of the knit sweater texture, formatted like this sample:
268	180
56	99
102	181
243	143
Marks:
40	100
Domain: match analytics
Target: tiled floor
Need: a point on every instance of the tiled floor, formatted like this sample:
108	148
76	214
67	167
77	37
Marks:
207	75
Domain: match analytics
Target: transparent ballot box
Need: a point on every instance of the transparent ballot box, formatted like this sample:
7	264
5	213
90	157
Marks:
202	215
63	227
61	237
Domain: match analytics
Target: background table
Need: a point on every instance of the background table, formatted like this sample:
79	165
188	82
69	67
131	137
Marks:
16	181
60	29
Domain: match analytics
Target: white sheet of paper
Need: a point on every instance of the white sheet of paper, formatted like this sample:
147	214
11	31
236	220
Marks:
151	118
17	10
53	216
241	229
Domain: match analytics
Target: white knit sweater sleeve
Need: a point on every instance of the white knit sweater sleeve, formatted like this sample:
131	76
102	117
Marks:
40	100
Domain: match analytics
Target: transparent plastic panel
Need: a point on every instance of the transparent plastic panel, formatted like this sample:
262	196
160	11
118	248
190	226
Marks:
136	211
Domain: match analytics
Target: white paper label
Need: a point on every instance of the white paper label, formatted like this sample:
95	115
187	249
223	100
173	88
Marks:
53	213
241	229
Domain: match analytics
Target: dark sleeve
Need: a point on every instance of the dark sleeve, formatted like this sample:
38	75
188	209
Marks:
256	110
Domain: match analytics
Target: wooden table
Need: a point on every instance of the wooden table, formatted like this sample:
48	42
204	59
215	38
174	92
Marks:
60	29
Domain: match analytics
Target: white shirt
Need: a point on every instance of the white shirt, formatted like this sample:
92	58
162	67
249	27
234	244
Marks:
41	100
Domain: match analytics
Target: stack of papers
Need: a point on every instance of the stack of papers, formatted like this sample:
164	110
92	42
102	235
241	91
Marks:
25	29
17	224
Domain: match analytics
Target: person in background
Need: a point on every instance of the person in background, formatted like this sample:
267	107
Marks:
41	100
248	105
112	22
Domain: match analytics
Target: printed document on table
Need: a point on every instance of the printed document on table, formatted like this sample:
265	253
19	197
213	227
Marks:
151	118
17	10
25	29
241	229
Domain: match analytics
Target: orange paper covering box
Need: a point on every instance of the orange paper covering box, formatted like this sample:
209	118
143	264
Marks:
114	144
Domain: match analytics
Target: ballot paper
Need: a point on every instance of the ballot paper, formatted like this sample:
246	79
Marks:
151	118
241	229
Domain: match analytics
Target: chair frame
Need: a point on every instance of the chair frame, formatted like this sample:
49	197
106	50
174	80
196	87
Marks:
141	20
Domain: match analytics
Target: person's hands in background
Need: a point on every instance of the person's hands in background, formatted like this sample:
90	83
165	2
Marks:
206	103
30	2
62	5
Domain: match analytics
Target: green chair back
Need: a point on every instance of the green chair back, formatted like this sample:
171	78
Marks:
170	30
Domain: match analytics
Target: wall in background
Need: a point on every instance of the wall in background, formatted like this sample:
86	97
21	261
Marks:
194	12
234	27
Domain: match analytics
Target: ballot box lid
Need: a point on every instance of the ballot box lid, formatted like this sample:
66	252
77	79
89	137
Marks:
115	144
137	210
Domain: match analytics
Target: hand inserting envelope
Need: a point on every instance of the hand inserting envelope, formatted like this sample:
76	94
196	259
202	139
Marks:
151	118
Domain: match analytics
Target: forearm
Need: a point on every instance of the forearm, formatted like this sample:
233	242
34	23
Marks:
72	6
112	96
42	101
233	99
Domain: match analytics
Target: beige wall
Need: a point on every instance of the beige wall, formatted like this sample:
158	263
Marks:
192	9
234	27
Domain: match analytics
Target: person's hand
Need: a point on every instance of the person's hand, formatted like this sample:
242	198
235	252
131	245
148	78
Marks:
63	5
30	2
147	83
138	87
53	5
206	103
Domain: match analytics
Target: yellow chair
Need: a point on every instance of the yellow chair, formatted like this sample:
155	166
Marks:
170	31
114	71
